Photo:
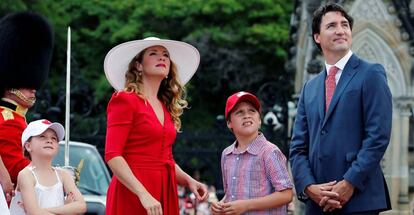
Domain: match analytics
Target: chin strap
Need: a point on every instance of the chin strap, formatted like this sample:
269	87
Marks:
20	95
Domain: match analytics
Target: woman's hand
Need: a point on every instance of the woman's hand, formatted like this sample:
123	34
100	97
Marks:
7	186
150	204
199	189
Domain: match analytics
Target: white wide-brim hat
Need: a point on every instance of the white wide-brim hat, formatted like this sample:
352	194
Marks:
37	127
185	56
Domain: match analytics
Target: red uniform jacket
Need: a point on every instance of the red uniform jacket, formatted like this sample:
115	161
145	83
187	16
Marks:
12	125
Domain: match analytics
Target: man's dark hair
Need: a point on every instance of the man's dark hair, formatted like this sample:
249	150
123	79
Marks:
321	11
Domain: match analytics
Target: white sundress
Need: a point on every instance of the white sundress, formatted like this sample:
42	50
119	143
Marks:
4	209
47	196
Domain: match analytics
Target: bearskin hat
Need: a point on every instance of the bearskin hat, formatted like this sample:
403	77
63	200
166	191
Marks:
26	46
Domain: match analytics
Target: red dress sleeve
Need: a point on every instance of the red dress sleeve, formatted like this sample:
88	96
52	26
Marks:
120	113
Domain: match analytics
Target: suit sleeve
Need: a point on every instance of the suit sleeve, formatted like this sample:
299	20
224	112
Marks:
299	150
377	109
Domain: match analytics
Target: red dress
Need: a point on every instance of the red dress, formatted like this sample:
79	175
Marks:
12	124
135	133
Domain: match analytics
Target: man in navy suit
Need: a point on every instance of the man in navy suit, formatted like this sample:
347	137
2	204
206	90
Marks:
342	127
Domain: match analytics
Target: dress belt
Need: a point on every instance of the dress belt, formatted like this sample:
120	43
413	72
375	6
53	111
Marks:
152	164
169	200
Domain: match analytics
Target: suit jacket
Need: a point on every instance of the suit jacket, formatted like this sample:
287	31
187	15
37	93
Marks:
349	140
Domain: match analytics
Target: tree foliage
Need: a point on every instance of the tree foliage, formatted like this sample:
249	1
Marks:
242	45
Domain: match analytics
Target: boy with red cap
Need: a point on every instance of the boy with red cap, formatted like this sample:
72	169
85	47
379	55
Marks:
255	176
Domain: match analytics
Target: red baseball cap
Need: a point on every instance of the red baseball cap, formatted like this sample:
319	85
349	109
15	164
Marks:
241	96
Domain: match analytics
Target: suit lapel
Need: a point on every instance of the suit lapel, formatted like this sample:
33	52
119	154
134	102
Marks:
321	98
346	76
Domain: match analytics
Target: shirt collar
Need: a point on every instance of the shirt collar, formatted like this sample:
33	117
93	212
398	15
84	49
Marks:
253	148
14	106
341	63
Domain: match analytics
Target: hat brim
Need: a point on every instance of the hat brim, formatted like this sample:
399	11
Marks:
247	97
56	127
185	56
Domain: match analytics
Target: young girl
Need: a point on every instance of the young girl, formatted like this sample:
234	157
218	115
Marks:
40	187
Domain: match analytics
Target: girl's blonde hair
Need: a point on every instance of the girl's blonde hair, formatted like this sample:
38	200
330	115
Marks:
171	92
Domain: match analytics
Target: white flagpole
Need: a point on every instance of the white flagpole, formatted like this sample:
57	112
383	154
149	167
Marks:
67	111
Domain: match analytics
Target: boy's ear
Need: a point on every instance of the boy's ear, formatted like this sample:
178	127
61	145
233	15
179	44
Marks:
228	122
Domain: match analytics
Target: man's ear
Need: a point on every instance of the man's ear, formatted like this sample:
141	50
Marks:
316	38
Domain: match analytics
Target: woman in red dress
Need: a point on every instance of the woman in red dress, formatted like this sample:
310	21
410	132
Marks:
143	118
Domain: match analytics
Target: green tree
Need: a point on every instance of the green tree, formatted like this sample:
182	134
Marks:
243	45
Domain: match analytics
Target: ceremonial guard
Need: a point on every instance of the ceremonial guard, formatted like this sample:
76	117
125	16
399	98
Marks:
26	45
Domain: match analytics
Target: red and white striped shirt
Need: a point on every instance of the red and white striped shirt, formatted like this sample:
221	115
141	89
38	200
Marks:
259	171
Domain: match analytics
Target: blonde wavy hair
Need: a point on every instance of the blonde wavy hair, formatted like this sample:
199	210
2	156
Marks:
171	92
